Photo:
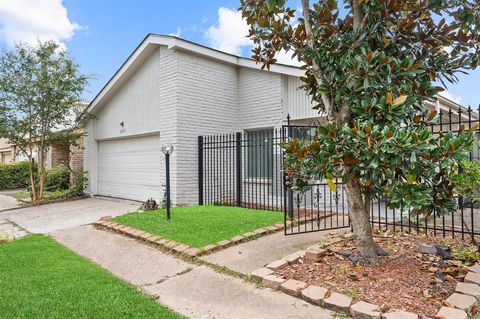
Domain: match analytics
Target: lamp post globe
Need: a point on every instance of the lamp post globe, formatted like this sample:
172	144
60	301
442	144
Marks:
167	149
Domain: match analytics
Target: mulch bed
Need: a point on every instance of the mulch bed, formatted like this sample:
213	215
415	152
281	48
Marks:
405	280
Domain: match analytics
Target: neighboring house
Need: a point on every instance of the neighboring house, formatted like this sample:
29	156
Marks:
171	91
6	151
57	154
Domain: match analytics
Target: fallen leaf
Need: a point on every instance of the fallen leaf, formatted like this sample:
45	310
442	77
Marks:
399	100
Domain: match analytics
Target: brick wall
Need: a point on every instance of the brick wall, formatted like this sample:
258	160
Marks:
207	104
76	158
59	155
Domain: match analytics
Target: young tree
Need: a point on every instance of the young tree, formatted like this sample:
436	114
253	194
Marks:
39	86
370	66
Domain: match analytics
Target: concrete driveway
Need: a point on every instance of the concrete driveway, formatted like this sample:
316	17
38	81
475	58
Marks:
48	218
7	201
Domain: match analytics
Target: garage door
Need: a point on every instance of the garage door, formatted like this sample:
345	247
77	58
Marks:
130	168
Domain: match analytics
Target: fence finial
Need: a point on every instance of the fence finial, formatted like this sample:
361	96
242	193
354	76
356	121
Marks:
288	118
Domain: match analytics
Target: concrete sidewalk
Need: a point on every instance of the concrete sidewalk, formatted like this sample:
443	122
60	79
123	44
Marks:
193	291
255	254
203	293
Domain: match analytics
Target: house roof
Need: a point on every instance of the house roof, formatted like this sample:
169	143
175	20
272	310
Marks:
152	41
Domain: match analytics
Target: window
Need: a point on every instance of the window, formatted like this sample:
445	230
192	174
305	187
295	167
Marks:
303	133
259	154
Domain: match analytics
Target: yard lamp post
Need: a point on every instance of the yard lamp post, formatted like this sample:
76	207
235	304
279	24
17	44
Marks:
167	149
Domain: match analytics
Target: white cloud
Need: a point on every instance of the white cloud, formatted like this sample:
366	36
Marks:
452	97
32	20
286	58
230	34
178	33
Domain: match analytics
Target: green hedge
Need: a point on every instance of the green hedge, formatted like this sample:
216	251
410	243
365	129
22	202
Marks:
57	178
14	175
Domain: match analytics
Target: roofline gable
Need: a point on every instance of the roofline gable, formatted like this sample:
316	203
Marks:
152	41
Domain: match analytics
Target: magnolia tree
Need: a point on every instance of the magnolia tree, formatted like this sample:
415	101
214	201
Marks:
371	66
39	86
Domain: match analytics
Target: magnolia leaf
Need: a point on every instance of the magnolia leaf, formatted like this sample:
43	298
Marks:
431	115
473	129
331	185
388	98
399	100
368	130
411	178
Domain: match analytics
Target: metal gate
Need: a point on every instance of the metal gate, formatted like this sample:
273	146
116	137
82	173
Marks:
318	208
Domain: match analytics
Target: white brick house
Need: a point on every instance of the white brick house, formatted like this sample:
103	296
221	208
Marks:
171	91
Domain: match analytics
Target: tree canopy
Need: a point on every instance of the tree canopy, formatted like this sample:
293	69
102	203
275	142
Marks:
370	67
39	87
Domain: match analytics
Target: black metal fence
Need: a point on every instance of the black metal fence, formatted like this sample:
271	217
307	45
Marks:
242	169
245	169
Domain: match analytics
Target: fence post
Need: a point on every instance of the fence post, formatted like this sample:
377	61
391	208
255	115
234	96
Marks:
200	170
290	189
238	148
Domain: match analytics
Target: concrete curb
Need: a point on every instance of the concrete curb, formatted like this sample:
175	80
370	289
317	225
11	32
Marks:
179	248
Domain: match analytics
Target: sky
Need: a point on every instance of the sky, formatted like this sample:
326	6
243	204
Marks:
101	34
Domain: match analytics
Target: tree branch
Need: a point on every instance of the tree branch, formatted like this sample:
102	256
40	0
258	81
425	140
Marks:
317	72
357	15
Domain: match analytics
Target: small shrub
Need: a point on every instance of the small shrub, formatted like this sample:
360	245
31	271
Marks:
353	293
78	188
57	178
150	204
464	253
467	182
14	175
5	238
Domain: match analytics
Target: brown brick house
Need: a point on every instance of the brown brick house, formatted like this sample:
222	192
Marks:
57	154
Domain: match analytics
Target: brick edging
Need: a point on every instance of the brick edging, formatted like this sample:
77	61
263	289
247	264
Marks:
179	248
456	306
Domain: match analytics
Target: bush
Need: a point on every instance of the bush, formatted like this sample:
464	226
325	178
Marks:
78	188
14	175
467	182
57	178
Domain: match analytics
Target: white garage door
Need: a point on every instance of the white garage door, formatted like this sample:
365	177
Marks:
130	168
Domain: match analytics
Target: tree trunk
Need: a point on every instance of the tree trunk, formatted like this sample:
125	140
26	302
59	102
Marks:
360	219
41	172
32	179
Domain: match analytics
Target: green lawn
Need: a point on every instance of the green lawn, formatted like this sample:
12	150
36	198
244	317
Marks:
199	226
39	278
24	196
